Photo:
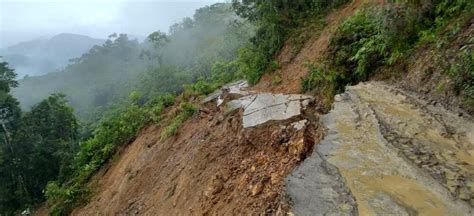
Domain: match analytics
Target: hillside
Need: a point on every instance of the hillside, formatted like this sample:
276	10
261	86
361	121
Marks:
106	75
361	116
253	107
45	55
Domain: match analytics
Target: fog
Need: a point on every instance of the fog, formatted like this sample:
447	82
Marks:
23	20
104	75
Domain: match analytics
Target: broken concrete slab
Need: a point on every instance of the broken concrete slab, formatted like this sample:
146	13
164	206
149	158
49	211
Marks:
235	88
264	107
212	96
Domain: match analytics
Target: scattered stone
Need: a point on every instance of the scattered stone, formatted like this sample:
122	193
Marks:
257	189
253	169
299	125
274	178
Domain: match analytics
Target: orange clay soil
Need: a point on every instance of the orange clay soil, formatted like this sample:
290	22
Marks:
293	68
212	166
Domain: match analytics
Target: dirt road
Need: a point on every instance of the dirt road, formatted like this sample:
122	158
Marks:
387	152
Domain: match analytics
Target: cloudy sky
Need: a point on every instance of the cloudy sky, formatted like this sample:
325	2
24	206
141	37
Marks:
22	20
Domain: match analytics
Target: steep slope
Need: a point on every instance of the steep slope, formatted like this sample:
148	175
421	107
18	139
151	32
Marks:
386	151
217	163
230	159
293	65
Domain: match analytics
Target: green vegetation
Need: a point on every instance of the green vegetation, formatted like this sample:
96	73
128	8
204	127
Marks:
36	146
90	85
322	82
375	37
186	111
104	76
462	72
111	133
116	89
275	20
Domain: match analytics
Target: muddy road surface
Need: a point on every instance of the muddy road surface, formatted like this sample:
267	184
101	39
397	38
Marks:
387	152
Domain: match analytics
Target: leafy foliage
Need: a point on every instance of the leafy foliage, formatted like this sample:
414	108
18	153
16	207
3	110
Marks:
274	20
161	64
112	133
186	111
373	37
36	147
462	71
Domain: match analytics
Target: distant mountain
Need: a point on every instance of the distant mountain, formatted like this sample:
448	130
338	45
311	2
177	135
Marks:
44	55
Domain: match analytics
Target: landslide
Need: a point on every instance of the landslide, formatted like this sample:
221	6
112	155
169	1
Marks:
404	146
213	165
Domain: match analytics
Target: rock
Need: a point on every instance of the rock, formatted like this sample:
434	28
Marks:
220	100
299	125
298	147
237	87
253	168
216	186
257	189
274	178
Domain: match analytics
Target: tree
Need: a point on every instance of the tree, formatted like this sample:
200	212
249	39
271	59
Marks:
52	129
158	40
12	183
7	77
35	147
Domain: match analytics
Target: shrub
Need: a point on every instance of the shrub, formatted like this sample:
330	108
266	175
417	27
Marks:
274	20
375	37
224	72
276	79
360	44
111	133
462	71
252	64
186	111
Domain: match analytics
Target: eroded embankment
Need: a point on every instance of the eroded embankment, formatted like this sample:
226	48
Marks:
387	152
230	159
293	64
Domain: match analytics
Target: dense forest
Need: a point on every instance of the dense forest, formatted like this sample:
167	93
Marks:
58	129
181	56
113	89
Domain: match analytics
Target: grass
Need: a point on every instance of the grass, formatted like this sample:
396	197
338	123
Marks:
186	111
